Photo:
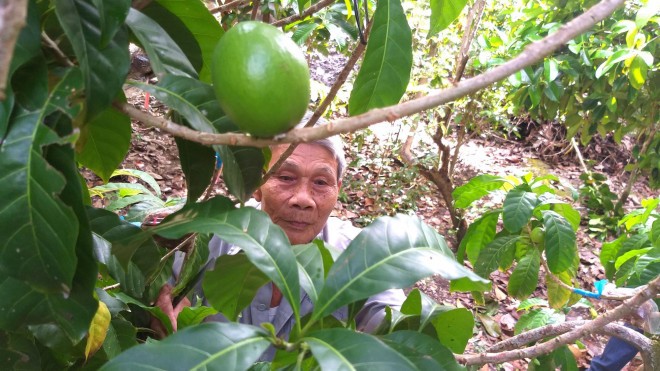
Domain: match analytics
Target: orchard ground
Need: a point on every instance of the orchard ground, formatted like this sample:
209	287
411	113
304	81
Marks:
377	183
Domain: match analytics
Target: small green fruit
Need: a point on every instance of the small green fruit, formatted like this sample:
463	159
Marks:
537	235
261	79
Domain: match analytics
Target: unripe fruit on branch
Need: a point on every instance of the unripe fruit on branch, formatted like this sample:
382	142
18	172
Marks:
537	235
261	79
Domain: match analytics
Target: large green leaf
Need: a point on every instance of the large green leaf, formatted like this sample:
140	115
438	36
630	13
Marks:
135	256
264	243
164	54
310	268
392	252
480	233
81	22
202	25
475	189
385	71
501	248
422	350
454	328
232	284
343	349
443	13
560	248
106	141
39	245
518	207
242	169
113	15
525	276
537	318
18	352
198	165
216	346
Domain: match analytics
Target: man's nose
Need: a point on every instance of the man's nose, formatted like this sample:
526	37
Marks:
302	197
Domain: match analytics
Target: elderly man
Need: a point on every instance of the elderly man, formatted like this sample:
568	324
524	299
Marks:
299	198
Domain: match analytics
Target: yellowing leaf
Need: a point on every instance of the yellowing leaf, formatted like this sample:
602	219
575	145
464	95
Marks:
97	330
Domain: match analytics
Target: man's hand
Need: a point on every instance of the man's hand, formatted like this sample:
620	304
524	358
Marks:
164	302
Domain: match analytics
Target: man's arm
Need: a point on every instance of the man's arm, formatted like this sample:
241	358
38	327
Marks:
373	312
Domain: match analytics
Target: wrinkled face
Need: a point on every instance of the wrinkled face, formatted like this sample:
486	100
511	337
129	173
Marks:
301	194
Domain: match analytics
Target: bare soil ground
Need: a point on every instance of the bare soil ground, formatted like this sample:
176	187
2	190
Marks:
155	152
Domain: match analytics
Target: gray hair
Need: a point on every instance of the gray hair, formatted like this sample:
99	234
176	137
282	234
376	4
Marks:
334	144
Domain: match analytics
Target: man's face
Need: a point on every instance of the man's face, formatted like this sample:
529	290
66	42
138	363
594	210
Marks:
301	194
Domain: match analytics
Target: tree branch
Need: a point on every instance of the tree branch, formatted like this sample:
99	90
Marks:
625	309
309	11
12	21
229	6
533	53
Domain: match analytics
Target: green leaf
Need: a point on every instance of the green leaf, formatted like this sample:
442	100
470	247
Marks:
531	303
106	141
525	276
343	349
560	246
518	208
550	69
613	60
480	233
385	71
630	255
113	15
638	72
501	248
19	352
443	13
422	350
165	56
392	252
198	164
654	234
475	189
264	243
646	12
232	284
537	318
133	251
558	296
191	316
311	268
121	336
303	31
141	175
38	246
454	328
203	26
81	23
215	345
242	169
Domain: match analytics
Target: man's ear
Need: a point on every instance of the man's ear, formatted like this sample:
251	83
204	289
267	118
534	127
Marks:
339	184
257	195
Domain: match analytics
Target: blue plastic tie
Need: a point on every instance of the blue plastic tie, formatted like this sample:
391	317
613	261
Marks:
600	286
218	161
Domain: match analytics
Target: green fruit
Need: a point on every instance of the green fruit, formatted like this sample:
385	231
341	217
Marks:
537	235
261	79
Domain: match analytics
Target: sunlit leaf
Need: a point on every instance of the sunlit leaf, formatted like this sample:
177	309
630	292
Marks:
443	13
385	71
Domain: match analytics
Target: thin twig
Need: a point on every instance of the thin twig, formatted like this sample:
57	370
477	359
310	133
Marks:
579	155
12	19
59	54
309	11
111	287
532	54
229	6
255	9
625	309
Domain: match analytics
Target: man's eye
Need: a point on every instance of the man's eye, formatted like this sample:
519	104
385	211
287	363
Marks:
285	178
320	182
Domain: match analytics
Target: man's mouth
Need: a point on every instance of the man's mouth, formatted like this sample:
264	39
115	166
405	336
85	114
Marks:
297	224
